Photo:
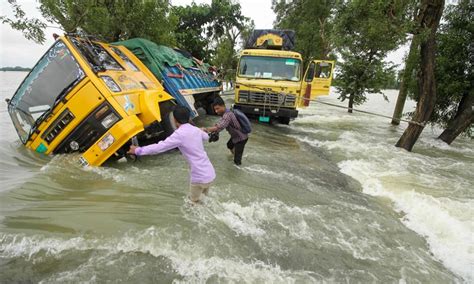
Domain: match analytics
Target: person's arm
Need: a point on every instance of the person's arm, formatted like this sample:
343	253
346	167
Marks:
169	143
220	125
204	135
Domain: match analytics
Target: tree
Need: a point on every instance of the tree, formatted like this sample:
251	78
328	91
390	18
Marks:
365	31
225	59
212	32
191	29
428	19
32	29
112	20
312	21
455	71
227	27
411	63
227	21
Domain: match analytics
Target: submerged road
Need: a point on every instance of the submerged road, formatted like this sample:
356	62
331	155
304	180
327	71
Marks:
327	198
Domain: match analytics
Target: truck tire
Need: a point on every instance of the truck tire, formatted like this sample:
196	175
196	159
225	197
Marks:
284	120
167	118
169	124
210	101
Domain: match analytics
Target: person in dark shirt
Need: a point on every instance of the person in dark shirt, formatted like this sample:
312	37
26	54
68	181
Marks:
229	121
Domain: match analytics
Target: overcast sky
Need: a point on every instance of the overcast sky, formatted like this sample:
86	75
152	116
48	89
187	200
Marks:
15	50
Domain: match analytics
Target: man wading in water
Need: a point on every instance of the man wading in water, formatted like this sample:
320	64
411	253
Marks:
229	121
189	140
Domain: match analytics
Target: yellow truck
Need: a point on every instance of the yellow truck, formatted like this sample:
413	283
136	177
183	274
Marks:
270	83
89	97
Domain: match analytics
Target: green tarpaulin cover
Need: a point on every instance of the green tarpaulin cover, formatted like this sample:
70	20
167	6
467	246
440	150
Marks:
158	57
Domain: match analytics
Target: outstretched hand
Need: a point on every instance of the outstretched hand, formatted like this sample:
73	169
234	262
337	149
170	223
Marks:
132	149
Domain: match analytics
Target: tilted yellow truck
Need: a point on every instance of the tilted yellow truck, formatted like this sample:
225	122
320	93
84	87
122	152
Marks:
89	97
270	83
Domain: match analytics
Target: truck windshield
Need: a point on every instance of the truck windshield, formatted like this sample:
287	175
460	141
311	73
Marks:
275	68
54	74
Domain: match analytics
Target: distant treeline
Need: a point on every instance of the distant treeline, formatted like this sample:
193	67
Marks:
16	68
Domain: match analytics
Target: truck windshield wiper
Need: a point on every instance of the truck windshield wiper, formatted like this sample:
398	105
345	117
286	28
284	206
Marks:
282	79
86	47
58	99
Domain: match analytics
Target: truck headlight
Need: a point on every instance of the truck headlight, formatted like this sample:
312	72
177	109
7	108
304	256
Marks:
111	83
109	120
83	162
242	99
106	142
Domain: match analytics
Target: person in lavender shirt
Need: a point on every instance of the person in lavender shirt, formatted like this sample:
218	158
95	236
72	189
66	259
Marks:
189	140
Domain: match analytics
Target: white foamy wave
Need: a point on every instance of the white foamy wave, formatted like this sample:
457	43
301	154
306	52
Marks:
324	119
283	176
258	217
69	161
108	173
186	259
439	144
237	270
19	245
312	130
447	231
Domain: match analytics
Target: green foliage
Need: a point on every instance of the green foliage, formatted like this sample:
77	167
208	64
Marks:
189	32
212	32
226	59
313	23
359	75
454	63
454	60
364	33
225	30
112	20
227	20
32	29
209	32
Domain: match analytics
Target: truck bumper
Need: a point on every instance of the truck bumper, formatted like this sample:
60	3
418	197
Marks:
120	133
258	110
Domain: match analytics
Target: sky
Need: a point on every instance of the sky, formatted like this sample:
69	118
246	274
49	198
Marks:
15	50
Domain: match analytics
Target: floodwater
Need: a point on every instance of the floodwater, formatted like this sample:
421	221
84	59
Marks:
326	199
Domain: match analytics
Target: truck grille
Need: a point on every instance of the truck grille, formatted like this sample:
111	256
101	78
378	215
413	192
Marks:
267	98
87	132
57	126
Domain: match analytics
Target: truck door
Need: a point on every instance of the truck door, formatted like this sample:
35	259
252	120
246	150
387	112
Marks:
317	79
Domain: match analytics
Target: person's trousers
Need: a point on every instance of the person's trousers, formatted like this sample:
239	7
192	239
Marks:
238	150
197	189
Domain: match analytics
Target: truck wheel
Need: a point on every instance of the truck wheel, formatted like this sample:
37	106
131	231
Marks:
210	101
169	124
201	111
167	118
284	120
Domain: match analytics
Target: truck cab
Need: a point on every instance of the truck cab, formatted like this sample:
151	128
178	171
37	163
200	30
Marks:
270	82
89	97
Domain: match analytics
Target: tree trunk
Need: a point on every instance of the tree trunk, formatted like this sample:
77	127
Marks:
463	119
428	18
351	103
407	72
